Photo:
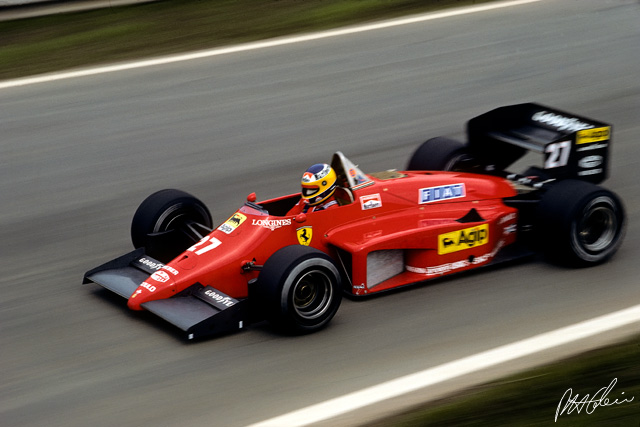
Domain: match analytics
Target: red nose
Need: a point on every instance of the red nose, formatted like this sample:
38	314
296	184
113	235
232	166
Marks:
159	285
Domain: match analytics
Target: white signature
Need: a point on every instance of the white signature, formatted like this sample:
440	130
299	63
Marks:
575	403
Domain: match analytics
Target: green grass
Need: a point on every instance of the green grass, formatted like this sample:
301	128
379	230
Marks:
66	41
531	398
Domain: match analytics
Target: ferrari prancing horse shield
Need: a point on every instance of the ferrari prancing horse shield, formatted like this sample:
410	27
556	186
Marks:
304	235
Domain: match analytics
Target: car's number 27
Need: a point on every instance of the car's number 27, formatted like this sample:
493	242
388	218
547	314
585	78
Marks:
558	154
213	243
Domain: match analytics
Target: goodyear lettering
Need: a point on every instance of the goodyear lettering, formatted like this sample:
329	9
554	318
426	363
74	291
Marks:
560	122
442	192
593	135
271	224
460	240
155	265
222	299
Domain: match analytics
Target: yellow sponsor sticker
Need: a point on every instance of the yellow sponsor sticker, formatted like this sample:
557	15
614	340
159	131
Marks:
232	223
304	235
460	240
588	136
236	219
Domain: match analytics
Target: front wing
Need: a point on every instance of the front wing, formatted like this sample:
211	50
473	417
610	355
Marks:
198	311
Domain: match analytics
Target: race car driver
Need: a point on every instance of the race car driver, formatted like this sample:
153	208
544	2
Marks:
319	184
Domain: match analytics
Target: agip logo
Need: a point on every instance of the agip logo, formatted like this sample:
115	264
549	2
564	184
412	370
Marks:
232	223
460	240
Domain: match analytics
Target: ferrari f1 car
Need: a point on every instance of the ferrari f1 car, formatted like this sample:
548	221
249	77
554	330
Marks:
455	208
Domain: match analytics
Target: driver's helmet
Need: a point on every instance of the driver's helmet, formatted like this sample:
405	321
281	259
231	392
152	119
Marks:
318	183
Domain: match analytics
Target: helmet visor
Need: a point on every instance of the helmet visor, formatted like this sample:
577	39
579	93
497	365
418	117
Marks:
309	191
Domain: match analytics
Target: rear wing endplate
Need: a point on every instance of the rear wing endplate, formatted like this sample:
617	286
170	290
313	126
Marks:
572	146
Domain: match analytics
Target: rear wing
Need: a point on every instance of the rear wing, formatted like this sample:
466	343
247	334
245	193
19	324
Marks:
571	146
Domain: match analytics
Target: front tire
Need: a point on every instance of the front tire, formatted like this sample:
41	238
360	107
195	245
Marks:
580	223
299	289
169	221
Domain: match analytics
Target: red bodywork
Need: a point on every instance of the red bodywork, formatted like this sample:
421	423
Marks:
390	229
399	228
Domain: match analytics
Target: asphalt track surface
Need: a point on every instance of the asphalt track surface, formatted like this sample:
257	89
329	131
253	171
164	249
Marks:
79	155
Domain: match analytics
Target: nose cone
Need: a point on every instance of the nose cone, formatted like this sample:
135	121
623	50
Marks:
159	285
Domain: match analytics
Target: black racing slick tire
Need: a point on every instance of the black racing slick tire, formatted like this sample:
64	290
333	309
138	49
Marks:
299	289
169	221
442	154
579	223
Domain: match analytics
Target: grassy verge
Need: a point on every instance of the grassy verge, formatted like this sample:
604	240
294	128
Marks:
64	41
531	398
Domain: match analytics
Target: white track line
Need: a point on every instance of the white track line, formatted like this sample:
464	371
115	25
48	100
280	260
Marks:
394	388
259	45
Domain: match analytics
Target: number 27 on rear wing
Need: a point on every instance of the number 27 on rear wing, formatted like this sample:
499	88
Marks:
572	146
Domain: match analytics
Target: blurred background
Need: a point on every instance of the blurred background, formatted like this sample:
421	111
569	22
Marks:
78	154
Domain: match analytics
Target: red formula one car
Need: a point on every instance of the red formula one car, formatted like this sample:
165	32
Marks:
454	209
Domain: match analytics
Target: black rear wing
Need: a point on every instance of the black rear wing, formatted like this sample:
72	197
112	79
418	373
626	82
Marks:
572	146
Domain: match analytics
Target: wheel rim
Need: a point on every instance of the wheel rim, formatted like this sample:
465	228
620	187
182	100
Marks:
598	228
312	294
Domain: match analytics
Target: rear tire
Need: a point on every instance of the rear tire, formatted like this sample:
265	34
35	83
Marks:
169	221
299	289
443	154
580	223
